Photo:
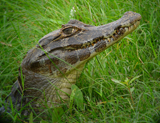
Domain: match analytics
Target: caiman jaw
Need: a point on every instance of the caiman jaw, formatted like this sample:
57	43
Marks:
118	34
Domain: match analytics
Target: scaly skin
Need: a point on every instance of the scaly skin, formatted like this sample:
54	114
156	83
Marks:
51	67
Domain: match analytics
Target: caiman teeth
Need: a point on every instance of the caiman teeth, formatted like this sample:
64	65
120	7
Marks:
113	37
129	28
126	28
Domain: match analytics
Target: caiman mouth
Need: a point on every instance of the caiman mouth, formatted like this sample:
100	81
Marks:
118	34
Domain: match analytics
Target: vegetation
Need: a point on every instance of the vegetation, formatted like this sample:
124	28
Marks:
122	84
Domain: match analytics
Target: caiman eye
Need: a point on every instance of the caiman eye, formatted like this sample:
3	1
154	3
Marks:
70	30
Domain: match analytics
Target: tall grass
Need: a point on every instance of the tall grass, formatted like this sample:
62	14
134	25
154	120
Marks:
122	84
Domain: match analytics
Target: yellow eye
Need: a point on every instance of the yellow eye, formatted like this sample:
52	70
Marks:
70	30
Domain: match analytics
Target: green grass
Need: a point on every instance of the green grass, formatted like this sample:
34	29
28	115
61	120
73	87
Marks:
122	84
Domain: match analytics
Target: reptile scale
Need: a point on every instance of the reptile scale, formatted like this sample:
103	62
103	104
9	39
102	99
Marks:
49	70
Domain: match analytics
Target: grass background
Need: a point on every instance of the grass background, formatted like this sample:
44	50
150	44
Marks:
122	84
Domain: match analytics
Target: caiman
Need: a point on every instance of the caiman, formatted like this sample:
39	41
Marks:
48	71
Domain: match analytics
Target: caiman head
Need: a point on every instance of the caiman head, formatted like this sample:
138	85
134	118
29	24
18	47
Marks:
54	64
